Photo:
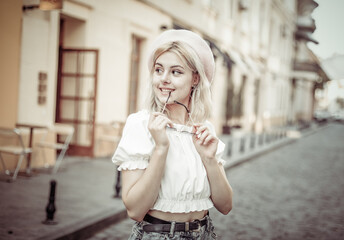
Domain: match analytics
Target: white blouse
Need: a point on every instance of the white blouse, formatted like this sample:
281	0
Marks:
184	187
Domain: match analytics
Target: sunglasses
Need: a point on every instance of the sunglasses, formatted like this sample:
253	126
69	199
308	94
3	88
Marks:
187	110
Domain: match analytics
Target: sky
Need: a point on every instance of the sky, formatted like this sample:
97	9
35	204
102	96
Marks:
329	20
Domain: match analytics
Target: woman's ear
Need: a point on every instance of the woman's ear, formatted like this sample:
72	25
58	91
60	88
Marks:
195	79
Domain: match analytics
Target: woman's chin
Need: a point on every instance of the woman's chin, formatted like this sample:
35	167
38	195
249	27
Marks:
163	98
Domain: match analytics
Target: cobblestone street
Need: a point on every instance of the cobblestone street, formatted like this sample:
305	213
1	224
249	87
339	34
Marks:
294	192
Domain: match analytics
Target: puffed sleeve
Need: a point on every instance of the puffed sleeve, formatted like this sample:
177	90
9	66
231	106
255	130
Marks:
220	147
136	145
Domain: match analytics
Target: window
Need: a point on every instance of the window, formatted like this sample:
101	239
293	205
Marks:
134	73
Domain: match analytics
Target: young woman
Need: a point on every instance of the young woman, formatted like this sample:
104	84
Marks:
169	155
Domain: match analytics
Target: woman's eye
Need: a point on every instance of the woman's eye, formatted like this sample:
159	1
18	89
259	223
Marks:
158	70
176	72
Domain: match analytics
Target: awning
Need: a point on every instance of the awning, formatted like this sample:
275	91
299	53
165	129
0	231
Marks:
253	66
224	55
306	36
232	58
238	60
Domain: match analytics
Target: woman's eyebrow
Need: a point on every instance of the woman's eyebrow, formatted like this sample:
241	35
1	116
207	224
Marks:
173	66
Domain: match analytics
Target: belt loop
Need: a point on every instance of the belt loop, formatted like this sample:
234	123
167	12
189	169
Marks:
173	226
208	222
187	227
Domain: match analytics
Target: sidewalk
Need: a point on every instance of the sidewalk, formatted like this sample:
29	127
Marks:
84	196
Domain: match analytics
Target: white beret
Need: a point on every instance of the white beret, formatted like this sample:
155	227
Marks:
198	44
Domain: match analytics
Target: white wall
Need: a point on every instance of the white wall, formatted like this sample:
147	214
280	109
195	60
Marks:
39	54
110	29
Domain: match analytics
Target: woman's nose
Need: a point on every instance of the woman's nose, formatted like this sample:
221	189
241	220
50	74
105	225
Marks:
165	77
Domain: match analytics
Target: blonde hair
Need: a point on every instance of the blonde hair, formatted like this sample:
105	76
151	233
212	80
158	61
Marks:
200	100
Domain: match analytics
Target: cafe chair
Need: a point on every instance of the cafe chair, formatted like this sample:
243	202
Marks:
63	134
11	143
111	134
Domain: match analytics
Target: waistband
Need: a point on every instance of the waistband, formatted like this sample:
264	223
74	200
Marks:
159	225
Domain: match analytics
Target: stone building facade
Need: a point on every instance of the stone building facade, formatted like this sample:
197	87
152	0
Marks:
85	64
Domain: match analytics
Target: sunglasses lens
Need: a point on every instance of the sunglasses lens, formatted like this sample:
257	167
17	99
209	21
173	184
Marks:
181	131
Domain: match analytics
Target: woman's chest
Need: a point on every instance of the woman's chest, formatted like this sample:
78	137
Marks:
183	163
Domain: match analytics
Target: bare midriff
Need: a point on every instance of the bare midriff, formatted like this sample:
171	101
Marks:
178	217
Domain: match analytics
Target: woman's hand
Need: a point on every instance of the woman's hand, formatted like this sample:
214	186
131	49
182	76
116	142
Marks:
157	127
205	142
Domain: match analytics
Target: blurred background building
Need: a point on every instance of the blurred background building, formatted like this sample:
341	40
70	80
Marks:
84	63
334	100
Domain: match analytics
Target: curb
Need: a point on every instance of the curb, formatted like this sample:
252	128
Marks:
89	227
260	152
272	147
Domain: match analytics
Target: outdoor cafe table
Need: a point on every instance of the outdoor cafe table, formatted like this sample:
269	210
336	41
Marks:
31	127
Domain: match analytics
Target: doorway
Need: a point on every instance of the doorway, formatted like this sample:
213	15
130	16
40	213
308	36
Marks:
77	85
76	96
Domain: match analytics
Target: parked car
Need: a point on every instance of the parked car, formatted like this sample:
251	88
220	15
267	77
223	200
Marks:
321	116
338	117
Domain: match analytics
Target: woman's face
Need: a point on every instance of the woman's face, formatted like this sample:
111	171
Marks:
172	75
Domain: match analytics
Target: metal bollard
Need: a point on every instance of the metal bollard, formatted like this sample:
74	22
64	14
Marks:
117	185
229	147
252	141
51	209
242	144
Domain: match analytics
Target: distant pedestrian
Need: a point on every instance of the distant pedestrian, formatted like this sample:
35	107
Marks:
169	154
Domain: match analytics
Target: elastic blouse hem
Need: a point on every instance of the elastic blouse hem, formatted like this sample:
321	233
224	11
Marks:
133	164
182	206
